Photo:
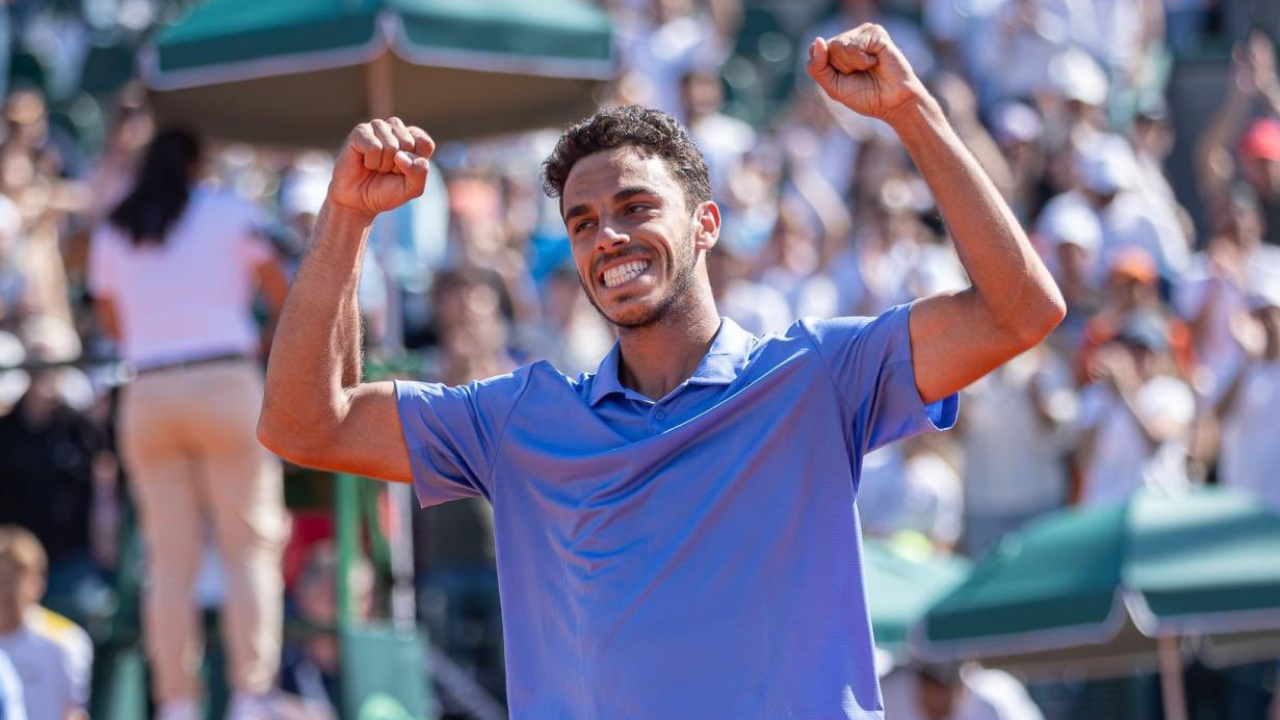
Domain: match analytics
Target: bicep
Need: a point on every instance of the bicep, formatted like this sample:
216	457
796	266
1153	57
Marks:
954	342
368	440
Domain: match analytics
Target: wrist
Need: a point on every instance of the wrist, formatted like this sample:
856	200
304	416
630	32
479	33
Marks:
920	111
343	214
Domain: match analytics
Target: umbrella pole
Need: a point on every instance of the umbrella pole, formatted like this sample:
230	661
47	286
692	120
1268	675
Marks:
1171	690
382	106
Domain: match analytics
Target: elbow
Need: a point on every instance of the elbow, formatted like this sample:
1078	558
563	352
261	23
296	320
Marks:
277	437
302	439
270	436
1039	318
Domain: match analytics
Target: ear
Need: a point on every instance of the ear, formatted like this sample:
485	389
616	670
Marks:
707	218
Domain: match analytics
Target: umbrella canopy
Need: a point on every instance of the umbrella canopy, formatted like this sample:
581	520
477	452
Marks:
901	585
1090	591
304	72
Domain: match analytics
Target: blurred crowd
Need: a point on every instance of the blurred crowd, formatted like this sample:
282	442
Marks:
1162	375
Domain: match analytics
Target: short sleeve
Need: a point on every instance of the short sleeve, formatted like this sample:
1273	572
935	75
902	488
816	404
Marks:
454	433
869	361
102	274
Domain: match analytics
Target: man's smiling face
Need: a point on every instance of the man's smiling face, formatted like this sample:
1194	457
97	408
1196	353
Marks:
632	234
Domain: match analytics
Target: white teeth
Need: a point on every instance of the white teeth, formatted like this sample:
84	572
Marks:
622	273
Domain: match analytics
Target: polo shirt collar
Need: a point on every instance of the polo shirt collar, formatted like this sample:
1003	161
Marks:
728	354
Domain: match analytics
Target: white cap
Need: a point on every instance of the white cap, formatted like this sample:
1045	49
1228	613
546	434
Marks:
1077	76
1016	122
1106	164
1070	221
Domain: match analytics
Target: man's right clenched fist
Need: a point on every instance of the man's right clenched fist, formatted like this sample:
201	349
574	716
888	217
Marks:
383	166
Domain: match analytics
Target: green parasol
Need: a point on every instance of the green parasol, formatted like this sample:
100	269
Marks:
1120	589
304	72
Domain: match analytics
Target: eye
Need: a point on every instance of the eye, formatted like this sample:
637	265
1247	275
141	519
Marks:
637	207
582	226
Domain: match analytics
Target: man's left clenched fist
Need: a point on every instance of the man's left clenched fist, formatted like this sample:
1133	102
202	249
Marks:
864	71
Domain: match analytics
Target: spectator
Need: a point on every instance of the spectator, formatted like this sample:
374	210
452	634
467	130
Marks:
722	139
1070	238
55	458
172	273
1250	454
1257	166
674	37
51	655
1234	265
953	692
1132	287
310	667
1018	429
1136	416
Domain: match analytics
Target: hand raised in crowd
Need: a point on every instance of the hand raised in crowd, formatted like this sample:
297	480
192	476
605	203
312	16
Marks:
1249	334
1114	365
383	166
864	71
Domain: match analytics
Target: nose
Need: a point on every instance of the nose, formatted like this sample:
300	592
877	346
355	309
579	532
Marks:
608	238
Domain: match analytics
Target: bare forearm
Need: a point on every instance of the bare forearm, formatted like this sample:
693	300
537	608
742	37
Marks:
315	356
1009	280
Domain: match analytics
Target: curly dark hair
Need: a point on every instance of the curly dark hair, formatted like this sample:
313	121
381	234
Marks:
652	132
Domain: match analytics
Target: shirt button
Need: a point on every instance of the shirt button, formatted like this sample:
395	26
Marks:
660	415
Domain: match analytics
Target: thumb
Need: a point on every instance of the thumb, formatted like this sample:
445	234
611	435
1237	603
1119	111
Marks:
414	169
819	66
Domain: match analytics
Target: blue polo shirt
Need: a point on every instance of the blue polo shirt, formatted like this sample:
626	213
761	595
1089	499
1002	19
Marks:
695	557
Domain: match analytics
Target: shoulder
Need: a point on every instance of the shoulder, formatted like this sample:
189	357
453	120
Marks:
58	630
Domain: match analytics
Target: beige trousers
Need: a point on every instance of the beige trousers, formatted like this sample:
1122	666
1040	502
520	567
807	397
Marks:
188	439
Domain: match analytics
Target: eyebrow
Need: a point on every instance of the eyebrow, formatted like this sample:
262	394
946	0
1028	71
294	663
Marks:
622	195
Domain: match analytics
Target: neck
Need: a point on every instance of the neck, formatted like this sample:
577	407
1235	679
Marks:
656	358
10	623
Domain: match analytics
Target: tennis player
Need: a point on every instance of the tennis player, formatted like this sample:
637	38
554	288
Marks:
676	534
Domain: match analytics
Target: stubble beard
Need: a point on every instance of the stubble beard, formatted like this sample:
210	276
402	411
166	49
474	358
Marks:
681	281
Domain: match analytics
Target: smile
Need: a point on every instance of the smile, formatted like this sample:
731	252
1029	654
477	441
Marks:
624	273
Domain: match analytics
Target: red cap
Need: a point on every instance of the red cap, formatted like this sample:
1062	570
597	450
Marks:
1262	140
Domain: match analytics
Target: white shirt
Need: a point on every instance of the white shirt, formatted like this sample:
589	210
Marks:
191	296
1014	462
53	658
1122	460
12	706
1217	349
987	695
1250	444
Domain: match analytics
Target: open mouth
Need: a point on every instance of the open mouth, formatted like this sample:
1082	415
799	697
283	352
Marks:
624	273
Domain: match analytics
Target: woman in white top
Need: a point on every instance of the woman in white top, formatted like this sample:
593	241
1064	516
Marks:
173	272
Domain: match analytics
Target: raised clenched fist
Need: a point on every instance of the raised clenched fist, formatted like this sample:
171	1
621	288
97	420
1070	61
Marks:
383	166
864	71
